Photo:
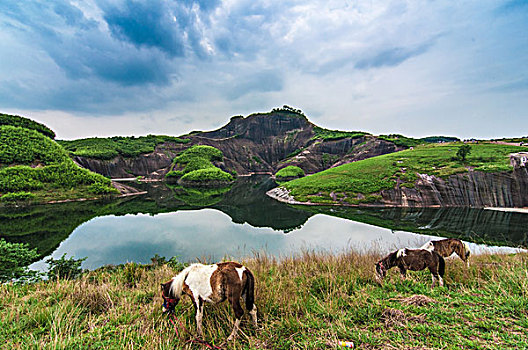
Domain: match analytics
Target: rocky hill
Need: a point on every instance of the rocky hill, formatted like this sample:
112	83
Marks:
258	143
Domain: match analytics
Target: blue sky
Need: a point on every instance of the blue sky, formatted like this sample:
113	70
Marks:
122	67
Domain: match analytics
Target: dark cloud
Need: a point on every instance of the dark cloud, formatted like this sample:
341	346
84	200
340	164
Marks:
149	24
392	57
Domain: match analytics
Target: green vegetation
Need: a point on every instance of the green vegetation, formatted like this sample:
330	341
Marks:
14	261
15	120
463	152
108	148
17	197
197	166
30	161
361	181
402	141
63	268
325	134
28	147
307	302
205	175
290	171
287	109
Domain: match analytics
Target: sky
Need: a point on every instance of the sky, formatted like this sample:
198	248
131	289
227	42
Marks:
135	67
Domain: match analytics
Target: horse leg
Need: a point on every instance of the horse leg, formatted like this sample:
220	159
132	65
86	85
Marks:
253	314
403	272
199	316
234	299
252	310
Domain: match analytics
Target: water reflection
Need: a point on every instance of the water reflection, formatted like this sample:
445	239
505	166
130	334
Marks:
171	221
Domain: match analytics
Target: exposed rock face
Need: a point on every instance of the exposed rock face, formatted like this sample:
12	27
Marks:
259	143
473	189
154	165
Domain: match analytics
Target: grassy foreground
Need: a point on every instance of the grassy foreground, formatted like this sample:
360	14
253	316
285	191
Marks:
309	302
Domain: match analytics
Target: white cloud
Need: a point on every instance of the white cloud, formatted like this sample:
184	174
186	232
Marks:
396	66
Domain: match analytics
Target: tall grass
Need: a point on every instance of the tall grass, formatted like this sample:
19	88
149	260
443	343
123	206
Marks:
305	302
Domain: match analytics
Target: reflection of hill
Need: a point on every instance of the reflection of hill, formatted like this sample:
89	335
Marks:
45	226
247	202
474	225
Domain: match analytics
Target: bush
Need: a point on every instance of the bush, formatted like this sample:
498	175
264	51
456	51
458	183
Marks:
24	146
101	188
206	152
209	174
15	120
64	268
17	196
108	148
14	261
290	171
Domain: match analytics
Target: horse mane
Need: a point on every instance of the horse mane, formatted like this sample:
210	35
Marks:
176	287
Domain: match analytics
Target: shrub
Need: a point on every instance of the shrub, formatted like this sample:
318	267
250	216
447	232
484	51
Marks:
203	151
14	261
290	171
101	188
209	174
108	148
64	268
132	273
15	120
17	196
463	152
24	146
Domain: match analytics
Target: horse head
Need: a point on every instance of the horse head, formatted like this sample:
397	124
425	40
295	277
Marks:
381	271
169	300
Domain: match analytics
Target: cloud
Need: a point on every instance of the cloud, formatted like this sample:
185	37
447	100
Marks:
149	24
392	57
348	62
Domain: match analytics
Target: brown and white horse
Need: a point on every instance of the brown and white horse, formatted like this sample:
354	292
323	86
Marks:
214	284
414	260
448	246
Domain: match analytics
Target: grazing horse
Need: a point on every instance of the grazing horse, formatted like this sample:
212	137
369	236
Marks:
414	260
214	284
448	246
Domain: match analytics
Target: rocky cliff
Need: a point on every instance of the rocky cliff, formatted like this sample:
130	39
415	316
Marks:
259	143
473	189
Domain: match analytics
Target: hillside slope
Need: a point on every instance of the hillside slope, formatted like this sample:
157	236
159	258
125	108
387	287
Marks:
258	143
35	167
426	176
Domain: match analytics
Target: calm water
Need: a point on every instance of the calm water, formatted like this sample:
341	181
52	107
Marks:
237	223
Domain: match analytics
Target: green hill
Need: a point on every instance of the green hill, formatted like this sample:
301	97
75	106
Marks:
363	180
15	120
33	166
108	148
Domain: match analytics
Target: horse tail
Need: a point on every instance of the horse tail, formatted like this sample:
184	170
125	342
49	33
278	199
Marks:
249	290
467	251
441	266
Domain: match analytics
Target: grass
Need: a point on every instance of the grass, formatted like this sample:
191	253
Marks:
111	147
290	171
326	134
196	166
18	121
33	167
361	181
305	302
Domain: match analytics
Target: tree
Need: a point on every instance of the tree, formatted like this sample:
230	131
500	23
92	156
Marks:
463	152
14	261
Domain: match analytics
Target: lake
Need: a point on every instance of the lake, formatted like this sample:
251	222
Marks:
238	222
